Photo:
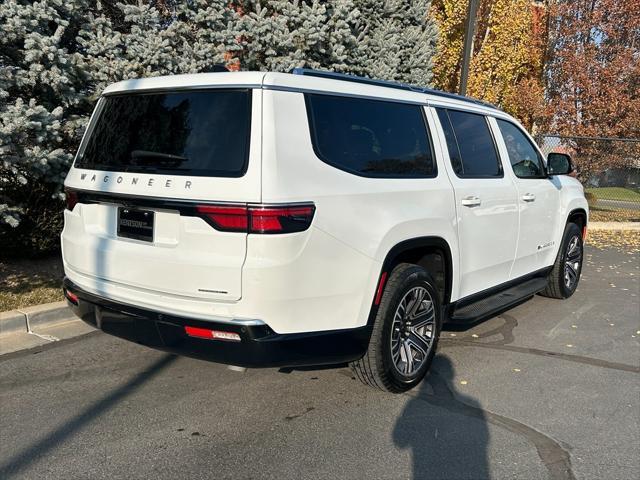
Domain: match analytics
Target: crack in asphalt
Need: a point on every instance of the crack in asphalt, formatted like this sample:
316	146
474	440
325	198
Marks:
293	417
554	457
545	353
508	337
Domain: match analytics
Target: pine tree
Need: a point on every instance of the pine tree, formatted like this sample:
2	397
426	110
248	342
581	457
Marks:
279	35
56	56
389	39
397	40
42	85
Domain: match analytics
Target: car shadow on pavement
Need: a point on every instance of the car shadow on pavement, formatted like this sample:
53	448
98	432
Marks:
447	442
37	450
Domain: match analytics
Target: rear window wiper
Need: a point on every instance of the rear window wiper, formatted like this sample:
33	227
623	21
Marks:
146	158
148	169
144	154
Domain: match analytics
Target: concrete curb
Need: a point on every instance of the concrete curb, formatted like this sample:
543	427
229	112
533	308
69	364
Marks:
12	322
40	325
28	318
621	226
47	314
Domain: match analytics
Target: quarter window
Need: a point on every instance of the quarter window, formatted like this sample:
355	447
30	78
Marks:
472	150
525	159
370	138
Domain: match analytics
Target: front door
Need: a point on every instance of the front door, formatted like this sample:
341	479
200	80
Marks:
538	199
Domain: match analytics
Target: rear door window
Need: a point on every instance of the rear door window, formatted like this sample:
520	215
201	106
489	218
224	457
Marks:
470	143
370	138
202	133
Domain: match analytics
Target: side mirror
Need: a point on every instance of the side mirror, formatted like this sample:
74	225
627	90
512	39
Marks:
559	164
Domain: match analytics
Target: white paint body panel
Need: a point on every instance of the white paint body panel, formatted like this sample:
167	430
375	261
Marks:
538	204
187	258
487	233
324	278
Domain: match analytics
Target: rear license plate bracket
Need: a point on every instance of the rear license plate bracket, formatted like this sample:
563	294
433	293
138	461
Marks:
136	224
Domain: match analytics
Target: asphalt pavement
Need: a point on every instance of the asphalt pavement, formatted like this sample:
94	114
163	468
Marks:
549	389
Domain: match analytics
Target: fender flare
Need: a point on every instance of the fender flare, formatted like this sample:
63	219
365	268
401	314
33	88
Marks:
390	261
578	212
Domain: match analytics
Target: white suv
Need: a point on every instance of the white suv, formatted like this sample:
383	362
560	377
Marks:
269	219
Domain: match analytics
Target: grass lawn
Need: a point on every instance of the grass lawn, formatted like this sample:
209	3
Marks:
615	193
30	282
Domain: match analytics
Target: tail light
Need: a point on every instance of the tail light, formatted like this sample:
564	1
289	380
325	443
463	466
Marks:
209	334
71	198
72	297
281	219
227	219
258	218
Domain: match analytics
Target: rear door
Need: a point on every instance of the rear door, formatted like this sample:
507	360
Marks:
538	199
160	180
486	200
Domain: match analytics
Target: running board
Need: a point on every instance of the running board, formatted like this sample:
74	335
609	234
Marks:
498	302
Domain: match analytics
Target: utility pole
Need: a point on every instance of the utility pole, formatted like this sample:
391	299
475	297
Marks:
469	32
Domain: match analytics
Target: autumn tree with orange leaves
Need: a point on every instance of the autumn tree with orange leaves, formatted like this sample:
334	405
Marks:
508	50
593	78
593	74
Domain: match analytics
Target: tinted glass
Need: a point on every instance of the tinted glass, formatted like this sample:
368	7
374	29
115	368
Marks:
181	133
477	156
452	144
524	158
370	137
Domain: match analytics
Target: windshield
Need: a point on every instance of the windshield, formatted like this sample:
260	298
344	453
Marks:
179	133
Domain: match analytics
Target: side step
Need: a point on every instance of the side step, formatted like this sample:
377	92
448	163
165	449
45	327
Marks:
498	302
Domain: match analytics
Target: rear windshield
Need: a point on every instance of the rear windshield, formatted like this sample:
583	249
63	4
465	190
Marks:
181	133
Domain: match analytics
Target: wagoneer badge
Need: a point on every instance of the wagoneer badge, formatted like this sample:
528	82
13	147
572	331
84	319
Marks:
119	179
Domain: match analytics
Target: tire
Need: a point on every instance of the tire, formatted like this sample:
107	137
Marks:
405	332
565	276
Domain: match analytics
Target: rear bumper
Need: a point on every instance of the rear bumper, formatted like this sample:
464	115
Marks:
259	346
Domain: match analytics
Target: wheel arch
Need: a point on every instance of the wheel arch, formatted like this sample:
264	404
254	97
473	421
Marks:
578	216
432	253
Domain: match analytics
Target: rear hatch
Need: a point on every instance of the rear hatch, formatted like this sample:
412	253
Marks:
141	191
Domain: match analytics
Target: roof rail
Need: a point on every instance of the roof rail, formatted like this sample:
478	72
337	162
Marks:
385	83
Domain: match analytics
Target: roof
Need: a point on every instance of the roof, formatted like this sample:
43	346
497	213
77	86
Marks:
305	81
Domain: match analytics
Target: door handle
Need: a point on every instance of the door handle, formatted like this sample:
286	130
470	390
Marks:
471	201
529	197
